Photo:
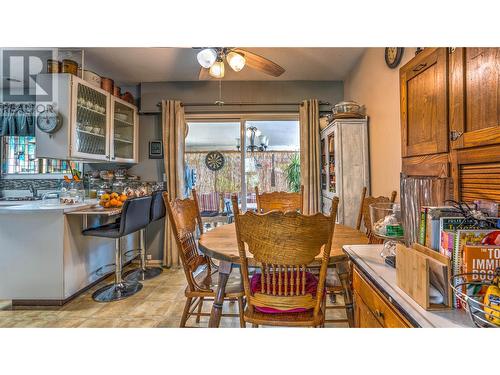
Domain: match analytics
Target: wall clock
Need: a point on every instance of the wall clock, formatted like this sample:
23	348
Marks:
48	121
393	56
214	160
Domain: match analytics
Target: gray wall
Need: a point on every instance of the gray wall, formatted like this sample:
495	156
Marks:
240	92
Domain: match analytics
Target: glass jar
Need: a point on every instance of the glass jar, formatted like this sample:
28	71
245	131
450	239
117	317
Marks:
119	185
93	187
104	188
77	191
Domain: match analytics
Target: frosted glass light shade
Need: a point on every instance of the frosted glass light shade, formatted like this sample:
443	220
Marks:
235	61
206	57
217	69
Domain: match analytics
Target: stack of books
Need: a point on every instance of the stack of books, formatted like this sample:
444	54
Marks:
472	246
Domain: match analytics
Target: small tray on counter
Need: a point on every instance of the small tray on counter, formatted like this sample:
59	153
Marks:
98	210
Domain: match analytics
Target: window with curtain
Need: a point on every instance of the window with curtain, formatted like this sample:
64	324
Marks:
18	157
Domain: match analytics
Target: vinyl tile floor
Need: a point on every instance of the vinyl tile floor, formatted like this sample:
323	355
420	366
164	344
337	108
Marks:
158	304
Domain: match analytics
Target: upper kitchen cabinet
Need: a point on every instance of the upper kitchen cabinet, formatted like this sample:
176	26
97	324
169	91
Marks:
124	131
95	126
424	115
474	97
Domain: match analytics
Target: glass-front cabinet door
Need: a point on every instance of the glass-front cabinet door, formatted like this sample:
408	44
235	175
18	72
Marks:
332	178
90	138
123	131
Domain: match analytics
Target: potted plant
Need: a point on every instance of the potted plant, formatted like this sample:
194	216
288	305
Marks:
292	173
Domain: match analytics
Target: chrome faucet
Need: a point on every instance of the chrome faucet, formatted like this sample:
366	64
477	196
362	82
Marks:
32	189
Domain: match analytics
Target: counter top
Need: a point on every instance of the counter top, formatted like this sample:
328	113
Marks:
39	206
367	259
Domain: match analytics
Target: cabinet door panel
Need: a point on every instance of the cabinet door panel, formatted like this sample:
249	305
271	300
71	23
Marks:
424	104
363	317
475	96
90	129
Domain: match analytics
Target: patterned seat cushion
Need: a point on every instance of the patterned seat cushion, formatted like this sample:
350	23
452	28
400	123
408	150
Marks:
311	287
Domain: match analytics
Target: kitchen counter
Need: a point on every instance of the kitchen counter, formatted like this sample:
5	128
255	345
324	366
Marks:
382	278
12	207
45	258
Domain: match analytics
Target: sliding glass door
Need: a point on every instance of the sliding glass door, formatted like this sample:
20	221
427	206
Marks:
234	154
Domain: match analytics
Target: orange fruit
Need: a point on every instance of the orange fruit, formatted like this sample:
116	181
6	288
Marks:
107	204
123	197
114	195
119	203
113	202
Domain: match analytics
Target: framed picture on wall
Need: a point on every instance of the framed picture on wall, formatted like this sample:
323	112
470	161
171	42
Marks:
156	150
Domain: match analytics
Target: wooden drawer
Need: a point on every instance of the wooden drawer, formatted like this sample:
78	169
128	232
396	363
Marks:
376	303
363	317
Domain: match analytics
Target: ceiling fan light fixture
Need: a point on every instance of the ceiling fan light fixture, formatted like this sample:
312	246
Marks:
207	57
217	69
235	61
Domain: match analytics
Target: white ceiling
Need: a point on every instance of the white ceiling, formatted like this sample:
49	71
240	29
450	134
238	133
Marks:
135	65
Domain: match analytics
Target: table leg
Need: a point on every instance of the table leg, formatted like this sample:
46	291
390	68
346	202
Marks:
216	313
345	279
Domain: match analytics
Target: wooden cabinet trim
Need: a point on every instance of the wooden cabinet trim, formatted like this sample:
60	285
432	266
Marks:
436	165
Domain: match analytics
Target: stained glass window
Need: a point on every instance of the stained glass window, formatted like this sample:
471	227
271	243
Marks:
18	157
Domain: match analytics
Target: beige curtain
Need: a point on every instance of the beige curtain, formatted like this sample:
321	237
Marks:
174	126
310	155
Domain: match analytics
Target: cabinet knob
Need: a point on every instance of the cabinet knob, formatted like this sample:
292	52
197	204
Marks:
379	314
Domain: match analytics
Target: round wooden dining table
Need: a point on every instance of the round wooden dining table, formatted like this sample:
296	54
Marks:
220	243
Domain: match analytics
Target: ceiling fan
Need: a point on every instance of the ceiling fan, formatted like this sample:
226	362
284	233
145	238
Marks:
212	62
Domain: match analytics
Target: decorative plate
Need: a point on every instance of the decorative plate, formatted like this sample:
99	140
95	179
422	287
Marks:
214	160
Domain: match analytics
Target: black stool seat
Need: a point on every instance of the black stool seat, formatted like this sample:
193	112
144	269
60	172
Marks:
108	230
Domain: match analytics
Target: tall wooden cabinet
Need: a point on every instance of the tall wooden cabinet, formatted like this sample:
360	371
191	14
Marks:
424	104
450	119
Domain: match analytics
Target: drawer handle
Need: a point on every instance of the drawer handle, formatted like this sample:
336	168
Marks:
379	314
419	67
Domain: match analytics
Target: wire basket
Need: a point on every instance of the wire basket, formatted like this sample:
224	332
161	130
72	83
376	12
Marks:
471	294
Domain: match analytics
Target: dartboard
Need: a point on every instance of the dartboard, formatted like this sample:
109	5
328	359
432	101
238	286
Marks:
214	160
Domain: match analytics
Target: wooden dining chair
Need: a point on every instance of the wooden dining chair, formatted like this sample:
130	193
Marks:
279	200
364	213
184	215
284	245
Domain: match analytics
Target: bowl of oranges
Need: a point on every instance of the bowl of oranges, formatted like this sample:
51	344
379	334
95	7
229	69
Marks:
112	200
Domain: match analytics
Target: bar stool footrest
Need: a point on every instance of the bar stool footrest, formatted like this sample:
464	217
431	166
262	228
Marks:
115	292
139	274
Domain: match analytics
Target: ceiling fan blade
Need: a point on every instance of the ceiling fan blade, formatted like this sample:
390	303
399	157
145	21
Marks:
260	63
204	74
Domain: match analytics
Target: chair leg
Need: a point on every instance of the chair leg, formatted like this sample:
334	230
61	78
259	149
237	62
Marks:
185	313
143	272
200	305
241	309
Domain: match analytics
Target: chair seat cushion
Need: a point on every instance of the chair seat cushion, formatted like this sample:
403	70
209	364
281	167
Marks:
310	288
108	231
